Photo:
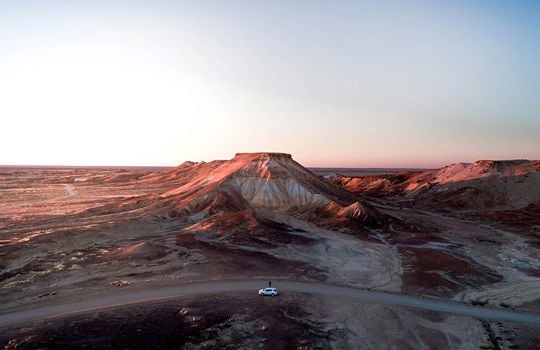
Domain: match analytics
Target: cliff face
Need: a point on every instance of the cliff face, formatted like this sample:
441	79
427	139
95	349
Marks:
263	156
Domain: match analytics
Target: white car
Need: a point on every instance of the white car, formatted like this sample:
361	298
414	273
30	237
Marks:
268	291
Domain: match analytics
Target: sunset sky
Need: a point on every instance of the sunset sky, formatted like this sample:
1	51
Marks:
335	83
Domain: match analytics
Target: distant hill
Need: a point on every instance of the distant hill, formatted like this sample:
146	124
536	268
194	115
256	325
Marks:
485	184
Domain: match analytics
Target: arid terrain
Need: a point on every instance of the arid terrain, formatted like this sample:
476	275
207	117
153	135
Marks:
466	232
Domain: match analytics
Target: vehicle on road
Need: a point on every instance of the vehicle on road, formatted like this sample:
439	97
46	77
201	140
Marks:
268	292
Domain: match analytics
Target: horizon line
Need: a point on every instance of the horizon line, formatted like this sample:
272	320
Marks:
57	166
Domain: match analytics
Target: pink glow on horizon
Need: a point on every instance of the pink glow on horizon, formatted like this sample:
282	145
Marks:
359	84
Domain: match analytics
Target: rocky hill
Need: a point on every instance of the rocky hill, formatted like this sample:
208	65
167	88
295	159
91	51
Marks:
485	184
259	182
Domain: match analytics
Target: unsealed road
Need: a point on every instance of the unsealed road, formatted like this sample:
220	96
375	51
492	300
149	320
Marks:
124	297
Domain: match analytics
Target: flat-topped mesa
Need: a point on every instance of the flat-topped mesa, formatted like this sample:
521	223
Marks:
264	182
262	156
509	167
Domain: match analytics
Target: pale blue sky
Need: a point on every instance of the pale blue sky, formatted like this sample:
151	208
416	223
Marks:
335	83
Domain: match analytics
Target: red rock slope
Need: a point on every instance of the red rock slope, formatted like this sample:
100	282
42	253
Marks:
485	184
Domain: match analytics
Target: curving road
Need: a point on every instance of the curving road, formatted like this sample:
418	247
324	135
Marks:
125	297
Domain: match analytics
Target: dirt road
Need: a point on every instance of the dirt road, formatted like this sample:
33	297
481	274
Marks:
126	296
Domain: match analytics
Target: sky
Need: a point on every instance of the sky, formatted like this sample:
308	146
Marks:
335	83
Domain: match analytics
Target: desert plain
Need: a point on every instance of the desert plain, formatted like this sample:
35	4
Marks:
467	233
